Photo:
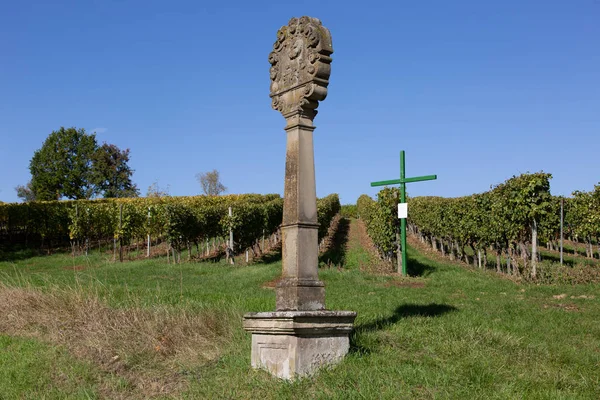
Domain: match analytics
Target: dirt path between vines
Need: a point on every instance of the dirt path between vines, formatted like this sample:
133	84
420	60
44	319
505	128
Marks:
348	246
361	251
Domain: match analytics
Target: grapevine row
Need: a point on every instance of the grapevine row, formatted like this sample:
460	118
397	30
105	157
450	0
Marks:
179	220
509	221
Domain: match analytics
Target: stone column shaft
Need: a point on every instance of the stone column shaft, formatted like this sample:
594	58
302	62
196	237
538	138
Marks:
300	288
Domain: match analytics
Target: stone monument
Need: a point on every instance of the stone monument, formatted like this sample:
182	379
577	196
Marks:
301	335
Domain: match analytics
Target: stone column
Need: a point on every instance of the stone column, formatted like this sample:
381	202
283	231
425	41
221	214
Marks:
300	288
300	336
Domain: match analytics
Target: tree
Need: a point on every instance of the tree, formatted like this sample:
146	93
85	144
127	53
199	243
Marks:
71	164
111	173
156	191
210	183
25	192
63	166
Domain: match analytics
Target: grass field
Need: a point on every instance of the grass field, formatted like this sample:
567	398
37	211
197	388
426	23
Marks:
86	327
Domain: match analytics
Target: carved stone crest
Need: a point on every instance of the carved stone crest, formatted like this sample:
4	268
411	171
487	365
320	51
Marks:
300	66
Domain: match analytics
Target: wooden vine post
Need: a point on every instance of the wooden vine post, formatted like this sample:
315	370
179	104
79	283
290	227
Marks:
148	248
121	232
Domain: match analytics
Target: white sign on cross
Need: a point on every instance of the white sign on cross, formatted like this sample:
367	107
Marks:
402	210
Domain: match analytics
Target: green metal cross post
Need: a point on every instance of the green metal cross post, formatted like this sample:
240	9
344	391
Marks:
403	181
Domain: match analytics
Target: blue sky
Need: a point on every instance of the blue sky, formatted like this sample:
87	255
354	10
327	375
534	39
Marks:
474	91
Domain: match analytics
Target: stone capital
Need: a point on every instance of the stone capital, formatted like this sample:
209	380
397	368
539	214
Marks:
300	119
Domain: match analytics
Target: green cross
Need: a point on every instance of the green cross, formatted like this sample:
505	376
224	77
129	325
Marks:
403	181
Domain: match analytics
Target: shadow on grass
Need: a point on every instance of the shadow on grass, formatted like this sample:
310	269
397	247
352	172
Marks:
274	255
403	311
416	268
336	254
17	253
556	258
214	258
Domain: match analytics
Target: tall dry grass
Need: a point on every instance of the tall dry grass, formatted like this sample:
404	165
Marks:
152	349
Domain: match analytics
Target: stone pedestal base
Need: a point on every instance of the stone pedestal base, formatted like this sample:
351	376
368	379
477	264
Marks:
293	344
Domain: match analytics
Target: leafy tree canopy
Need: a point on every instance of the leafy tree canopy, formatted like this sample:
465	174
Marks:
111	173
71	164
